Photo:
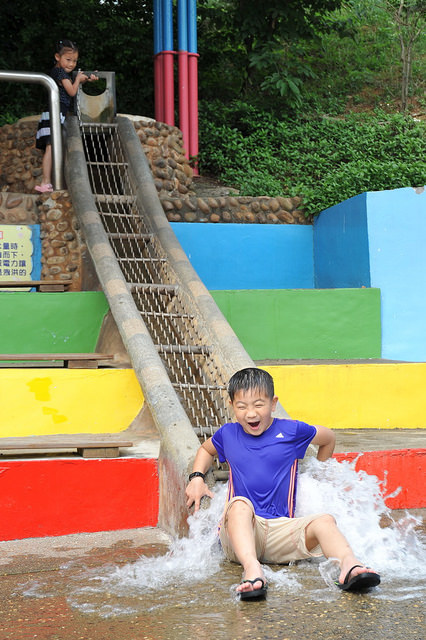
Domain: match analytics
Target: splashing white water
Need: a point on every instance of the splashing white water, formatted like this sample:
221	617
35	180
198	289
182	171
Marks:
355	499
189	560
397	552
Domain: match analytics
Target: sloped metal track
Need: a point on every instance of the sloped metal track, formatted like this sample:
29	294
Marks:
167	312
181	347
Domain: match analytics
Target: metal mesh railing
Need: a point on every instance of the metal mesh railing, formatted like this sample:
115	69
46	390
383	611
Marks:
165	308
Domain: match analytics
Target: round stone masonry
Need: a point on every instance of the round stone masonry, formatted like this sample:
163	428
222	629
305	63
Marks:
184	197
61	242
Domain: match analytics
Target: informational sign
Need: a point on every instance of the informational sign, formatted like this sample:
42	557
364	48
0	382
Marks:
20	253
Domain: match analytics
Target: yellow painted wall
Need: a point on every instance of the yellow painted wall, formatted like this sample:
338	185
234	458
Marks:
354	396
61	401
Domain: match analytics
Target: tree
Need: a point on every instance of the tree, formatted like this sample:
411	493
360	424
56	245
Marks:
410	19
249	42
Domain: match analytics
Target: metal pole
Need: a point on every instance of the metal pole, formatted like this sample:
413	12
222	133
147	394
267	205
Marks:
55	121
193	81
168	63
183	73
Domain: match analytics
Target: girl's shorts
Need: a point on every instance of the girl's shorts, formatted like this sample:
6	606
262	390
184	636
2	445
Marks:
278	540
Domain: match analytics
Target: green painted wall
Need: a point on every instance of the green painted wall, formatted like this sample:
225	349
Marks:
305	323
50	322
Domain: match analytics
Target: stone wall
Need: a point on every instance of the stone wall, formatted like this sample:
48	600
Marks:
240	209
63	248
64	251
183	201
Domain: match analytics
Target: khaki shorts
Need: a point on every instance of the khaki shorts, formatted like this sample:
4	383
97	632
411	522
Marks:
278	540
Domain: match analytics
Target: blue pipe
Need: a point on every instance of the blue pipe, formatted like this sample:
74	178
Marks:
167	21
192	26
182	25
158	27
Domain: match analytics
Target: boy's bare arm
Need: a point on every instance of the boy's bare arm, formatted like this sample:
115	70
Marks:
326	440
197	488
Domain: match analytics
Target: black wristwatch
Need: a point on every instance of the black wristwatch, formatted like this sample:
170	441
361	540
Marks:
196	474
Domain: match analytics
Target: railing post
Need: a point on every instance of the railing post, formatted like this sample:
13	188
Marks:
55	121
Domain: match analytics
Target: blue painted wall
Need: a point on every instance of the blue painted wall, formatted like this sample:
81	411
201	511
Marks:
341	255
397	243
249	256
378	239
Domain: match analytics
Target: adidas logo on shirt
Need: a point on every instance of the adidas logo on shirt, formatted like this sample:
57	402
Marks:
280	435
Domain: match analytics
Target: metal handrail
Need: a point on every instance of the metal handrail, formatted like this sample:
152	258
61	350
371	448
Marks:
55	122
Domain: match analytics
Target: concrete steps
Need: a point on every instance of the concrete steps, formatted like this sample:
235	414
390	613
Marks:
377	410
50	493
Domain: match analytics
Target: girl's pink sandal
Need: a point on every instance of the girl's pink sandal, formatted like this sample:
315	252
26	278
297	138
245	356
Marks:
44	188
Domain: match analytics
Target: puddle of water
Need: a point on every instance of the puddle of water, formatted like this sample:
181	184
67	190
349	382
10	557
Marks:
194	573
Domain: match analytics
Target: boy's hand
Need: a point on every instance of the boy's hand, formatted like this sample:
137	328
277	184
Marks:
195	490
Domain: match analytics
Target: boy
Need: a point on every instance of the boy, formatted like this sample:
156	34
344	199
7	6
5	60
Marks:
258	523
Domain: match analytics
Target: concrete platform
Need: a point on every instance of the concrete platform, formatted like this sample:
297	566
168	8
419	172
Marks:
53	589
348	440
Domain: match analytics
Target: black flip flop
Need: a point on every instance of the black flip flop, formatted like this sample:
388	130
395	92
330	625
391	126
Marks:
360	582
256	594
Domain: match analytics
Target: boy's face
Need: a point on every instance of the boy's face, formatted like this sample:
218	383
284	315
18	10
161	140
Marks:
253	410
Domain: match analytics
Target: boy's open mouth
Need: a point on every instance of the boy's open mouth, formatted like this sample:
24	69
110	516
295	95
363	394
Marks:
254	425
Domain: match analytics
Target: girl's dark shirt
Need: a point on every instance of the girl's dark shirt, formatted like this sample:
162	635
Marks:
59	74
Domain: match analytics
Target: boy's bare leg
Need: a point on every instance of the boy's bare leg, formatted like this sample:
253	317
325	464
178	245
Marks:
324	531
239	526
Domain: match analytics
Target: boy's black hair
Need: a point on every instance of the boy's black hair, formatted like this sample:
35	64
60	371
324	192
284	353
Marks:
251	378
61	45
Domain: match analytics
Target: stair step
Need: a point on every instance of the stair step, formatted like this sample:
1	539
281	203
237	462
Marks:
153	287
144	260
184	348
114	199
146	237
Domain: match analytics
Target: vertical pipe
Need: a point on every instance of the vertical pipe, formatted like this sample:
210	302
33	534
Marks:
159	87
168	76
55	118
193	80
158	63
183	73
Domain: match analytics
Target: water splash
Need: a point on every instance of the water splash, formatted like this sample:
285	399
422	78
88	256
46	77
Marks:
188	572
397	550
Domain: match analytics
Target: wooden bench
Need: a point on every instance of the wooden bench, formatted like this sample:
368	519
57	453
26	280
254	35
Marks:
90	447
38	285
69	360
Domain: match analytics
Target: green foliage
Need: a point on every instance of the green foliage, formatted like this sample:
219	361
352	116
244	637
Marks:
325	160
252	44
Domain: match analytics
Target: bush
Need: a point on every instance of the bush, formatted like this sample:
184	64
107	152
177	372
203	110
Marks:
324	160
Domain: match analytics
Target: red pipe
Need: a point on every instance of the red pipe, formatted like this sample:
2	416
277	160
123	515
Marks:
169	89
159	87
193	107
184	99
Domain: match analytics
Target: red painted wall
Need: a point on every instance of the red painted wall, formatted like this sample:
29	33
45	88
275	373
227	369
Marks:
405	468
62	496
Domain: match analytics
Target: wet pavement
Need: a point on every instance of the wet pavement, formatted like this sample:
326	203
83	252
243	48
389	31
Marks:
91	587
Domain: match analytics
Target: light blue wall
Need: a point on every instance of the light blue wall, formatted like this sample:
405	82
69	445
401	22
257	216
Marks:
397	239
249	256
378	239
341	254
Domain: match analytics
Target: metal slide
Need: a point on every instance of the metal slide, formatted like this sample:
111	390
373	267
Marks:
163	306
168	314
